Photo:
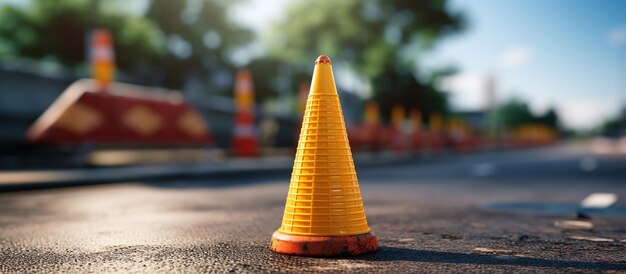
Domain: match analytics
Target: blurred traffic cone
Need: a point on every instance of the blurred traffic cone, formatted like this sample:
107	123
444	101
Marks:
398	139
373	128
456	133
303	93
416	129
245	141
102	58
435	132
324	214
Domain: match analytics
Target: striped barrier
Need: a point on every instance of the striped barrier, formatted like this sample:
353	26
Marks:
125	114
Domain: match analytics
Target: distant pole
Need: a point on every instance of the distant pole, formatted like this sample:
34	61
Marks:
245	142
490	119
621	76
490	93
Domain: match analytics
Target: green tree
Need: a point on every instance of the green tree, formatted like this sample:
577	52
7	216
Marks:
171	40
516	112
382	40
550	118
56	30
200	35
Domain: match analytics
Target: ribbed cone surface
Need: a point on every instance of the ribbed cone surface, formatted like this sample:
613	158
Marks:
324	198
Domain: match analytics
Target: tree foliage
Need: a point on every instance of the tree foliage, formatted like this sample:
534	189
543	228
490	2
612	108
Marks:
515	113
56	30
204	29
381	40
172	38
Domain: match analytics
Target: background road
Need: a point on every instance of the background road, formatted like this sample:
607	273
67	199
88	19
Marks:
484	212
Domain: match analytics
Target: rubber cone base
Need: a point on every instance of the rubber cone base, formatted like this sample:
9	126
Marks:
324	246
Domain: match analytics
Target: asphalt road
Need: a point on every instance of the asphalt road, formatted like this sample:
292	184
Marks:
489	212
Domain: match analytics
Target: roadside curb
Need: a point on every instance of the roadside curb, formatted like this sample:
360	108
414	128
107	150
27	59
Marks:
44	179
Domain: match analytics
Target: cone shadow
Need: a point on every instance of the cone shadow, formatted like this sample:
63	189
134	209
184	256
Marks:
387	254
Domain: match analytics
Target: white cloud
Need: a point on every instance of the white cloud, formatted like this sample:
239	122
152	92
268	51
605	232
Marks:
617	36
467	90
587	113
515	57
538	104
262	13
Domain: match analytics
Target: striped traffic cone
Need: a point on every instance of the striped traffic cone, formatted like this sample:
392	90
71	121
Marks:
398	138
245	141
373	128
415	117
102	58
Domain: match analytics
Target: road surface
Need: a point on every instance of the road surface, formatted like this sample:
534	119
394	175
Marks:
487	212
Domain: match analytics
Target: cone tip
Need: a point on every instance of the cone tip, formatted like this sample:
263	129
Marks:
323	59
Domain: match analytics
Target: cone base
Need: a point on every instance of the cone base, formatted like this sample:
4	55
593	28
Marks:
324	246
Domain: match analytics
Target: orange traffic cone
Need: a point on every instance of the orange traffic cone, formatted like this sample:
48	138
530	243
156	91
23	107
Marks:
398	138
435	132
373	128
303	91
416	129
102	58
245	141
324	214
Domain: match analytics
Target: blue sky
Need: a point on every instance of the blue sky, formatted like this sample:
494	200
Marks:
569	54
